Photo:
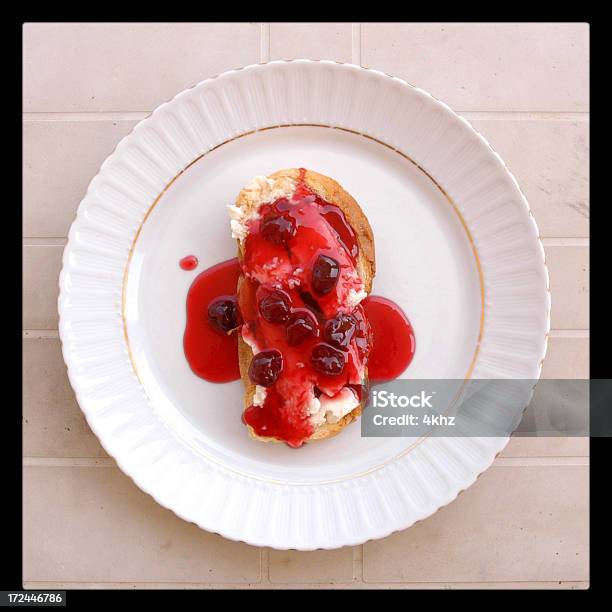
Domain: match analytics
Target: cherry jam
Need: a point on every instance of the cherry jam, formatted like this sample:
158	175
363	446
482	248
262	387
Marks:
298	269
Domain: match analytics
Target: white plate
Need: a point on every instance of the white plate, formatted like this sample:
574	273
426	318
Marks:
456	247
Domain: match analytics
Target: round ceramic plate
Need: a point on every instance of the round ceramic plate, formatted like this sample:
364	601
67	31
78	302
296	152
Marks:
456	247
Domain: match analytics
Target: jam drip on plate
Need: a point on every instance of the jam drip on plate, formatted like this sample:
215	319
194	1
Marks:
393	344
300	303
210	347
190	262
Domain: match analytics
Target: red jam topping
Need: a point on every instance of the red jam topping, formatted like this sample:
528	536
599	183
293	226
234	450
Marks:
299	269
297	303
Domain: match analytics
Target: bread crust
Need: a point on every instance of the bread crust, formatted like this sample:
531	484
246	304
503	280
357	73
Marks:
331	191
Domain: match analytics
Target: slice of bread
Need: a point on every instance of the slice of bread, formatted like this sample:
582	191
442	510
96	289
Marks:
329	190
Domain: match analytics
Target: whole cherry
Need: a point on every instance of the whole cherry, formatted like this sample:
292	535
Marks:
278	229
275	306
266	367
300	327
340	330
327	360
223	314
325	274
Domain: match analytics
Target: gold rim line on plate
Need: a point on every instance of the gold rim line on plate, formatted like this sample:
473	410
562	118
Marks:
316	125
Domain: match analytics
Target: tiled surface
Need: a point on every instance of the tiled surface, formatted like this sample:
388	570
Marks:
311	40
565	358
569	286
549	159
127	67
123	534
522	447
504	66
53	424
318	566
60	159
41	267
85	85
524	541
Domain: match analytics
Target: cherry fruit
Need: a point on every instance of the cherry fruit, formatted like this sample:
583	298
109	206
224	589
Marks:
327	360
325	274
301	326
266	367
340	330
278	229
223	314
275	306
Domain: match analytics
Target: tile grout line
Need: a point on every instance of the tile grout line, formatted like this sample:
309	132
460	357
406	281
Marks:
569	333
565	242
264	43
356	44
44	241
264	560
533	461
39	334
69	462
533	115
49	584
109	462
358	563
86	116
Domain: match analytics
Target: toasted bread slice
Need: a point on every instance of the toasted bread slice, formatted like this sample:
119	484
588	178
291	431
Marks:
329	190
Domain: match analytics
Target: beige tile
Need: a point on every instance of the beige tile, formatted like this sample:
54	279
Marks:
41	268
318	566
95	525
513	524
311	41
53	424
568	267
547	447
565	358
486	66
550	160
126	66
60	159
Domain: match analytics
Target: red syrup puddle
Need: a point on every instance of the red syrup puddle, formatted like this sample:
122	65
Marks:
393	343
189	263
211	354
